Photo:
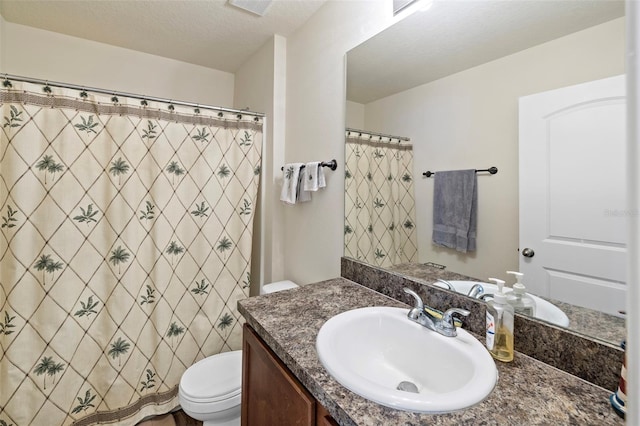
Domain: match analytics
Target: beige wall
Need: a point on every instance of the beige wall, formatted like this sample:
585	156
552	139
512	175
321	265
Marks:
354	115
36	53
470	120
315	124
260	85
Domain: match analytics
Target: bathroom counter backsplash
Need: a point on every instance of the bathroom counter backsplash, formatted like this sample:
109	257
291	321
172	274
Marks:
528	391
581	320
428	274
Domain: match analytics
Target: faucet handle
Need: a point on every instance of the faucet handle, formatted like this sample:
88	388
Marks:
448	315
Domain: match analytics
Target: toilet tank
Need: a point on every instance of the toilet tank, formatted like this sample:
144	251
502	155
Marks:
277	286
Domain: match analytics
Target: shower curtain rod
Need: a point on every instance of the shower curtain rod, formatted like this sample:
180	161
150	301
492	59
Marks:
382	135
128	95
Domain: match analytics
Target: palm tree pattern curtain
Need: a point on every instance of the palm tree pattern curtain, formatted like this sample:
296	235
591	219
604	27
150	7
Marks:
379	200
125	245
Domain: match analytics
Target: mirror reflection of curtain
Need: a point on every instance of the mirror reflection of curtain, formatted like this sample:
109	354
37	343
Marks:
124	247
379	200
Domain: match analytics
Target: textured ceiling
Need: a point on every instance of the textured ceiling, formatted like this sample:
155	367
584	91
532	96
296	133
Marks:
210	33
453	36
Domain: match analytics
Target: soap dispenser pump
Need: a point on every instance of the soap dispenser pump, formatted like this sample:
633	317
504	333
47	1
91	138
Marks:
500	325
522	303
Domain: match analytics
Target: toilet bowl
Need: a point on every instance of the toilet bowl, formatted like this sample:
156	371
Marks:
210	389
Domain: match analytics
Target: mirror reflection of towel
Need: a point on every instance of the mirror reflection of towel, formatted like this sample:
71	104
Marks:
455	210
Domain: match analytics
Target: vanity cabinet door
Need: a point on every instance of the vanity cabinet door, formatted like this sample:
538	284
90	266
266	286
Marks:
271	395
323	418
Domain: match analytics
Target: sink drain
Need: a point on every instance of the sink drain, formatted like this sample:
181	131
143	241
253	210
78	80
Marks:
407	387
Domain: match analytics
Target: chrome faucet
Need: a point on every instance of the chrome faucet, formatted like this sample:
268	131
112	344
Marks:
444	325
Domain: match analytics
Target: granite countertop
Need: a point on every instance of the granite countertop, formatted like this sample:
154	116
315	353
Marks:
528	391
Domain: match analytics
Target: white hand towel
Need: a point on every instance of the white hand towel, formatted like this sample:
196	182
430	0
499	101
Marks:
315	176
303	196
290	181
311	179
321	181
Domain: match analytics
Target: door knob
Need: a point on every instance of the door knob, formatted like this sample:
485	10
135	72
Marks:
527	252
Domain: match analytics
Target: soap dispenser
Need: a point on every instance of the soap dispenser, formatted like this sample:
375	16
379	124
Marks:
522	303
500	325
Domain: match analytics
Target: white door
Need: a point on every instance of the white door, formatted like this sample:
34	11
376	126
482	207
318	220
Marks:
573	194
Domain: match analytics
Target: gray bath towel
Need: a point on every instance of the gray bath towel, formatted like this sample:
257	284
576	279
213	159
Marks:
455	210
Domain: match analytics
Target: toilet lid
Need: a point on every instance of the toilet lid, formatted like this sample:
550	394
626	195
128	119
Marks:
215	378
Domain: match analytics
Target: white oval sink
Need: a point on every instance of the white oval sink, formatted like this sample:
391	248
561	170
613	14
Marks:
371	351
544	310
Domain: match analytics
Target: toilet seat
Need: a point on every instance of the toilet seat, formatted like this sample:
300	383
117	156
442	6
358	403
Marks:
214	381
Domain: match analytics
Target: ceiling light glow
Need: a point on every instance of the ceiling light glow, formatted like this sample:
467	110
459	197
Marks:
257	7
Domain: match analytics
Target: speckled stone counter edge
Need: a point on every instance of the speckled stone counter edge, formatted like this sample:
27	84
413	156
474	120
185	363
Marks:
596	361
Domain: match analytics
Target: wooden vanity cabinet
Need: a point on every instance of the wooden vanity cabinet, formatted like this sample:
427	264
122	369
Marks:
271	394
323	418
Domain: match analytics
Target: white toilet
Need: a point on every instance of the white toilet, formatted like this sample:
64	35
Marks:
210	390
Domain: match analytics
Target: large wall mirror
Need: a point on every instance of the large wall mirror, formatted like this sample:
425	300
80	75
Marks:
447	88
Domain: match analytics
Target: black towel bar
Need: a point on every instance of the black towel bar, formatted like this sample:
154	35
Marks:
492	170
333	164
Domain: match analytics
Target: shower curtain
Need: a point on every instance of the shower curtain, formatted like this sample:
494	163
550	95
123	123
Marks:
125	244
379	200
